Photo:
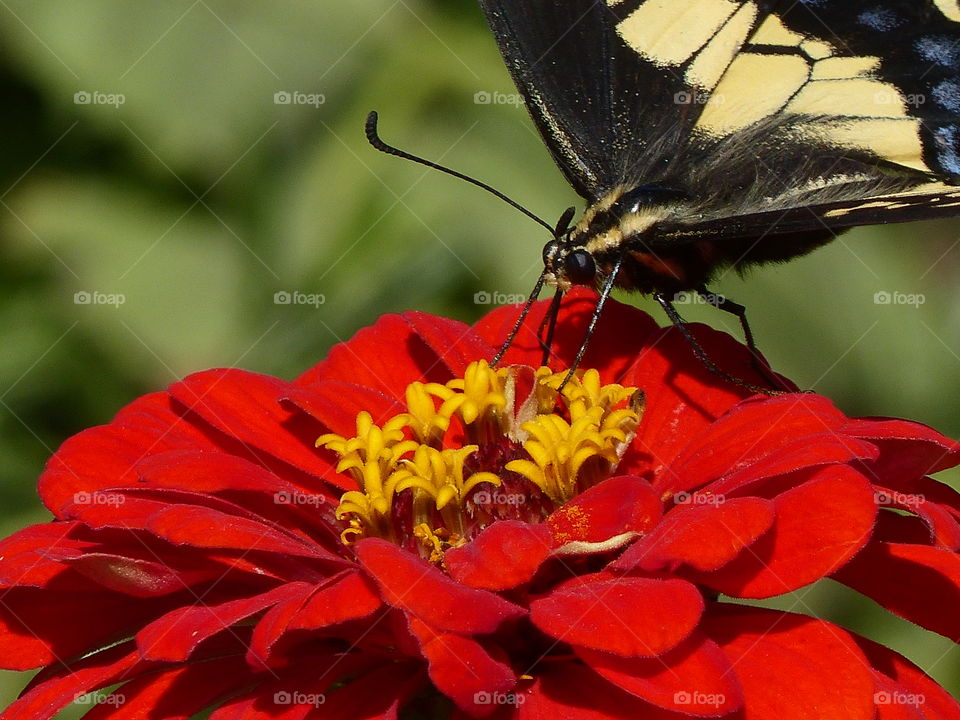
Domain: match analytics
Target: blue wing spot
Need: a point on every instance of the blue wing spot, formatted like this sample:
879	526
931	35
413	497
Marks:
947	95
948	140
938	49
881	19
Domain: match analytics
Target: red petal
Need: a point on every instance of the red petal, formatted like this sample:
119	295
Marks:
399	349
177	694
908	450
695	678
462	669
894	702
611	351
747	435
205	528
567	691
626	616
106	456
412	584
793	667
917	582
48	695
683	397
704	537
804	453
820	525
377	695
27	556
503	556
617	506
271	627
938	703
943	530
337	404
177	634
132	576
351	597
38	627
246	408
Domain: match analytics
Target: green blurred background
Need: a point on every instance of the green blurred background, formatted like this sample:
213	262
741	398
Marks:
199	196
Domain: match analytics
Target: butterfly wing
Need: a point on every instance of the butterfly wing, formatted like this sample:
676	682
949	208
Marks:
813	113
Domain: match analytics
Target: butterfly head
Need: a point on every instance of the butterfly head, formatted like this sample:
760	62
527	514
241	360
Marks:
616	224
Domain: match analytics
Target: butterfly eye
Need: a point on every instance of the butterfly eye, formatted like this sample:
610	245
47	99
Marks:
579	267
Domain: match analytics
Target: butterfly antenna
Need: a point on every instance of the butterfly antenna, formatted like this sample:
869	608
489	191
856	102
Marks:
374	138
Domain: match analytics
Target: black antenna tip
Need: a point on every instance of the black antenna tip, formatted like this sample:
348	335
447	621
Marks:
371	127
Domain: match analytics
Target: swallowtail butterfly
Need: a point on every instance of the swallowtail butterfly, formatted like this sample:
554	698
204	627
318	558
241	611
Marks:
714	133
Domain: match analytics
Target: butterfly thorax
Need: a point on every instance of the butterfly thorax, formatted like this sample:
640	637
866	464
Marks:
628	225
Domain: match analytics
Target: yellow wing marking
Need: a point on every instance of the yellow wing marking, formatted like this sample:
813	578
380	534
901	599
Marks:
950	8
668	34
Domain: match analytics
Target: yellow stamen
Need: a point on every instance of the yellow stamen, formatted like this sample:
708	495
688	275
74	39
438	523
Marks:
566	452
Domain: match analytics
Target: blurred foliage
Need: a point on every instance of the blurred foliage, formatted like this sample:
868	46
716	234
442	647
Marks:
198	198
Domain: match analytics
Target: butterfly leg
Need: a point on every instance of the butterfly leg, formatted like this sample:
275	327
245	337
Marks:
701	354
740	312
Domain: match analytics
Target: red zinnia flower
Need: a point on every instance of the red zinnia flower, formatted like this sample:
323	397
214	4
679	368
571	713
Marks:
404	532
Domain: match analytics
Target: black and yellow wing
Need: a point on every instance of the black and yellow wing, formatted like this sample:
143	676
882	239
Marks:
775	116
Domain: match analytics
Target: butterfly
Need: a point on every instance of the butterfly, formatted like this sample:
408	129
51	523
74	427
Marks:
709	134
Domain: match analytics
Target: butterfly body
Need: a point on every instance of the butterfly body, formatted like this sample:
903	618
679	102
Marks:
636	225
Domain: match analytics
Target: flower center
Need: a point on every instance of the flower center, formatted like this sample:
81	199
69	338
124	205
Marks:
493	445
